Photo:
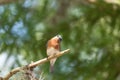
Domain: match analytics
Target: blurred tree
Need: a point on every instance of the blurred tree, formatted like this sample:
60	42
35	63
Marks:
90	28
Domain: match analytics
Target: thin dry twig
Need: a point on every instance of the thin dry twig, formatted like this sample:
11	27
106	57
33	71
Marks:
33	64
2	2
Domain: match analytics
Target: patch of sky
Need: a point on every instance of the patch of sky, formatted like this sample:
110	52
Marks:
1	10
28	3
18	30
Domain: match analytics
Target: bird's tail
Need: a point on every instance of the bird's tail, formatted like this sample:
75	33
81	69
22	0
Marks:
51	68
52	62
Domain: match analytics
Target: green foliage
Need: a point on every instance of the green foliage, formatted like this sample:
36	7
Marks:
90	30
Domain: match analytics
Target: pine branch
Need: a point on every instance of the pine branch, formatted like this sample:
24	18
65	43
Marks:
33	64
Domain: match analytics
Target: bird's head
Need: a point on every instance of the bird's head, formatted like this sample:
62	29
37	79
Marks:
56	39
59	37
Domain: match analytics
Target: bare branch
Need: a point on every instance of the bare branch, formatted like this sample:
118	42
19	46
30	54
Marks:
33	64
6	1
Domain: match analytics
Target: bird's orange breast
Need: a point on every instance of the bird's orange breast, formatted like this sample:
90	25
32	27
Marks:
53	43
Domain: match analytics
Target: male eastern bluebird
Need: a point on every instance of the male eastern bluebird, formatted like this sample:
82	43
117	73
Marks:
53	47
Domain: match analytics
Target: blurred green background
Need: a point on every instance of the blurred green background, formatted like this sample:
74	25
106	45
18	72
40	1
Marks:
90	29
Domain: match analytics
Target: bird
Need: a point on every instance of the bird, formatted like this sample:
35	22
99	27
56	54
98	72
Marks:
53	47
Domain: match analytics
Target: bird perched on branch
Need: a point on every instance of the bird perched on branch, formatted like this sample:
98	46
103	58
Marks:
53	47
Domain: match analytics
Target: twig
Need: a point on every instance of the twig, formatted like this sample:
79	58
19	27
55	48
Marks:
32	65
6	1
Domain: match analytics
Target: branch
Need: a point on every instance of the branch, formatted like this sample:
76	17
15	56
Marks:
33	65
7	1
